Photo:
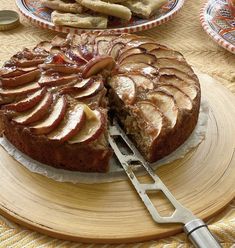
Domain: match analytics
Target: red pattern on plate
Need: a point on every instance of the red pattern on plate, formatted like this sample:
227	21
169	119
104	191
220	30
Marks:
217	20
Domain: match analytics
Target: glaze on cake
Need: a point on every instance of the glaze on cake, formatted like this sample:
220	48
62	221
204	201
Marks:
55	98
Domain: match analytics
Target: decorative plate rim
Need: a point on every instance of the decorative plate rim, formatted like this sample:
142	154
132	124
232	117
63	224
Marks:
212	33
135	28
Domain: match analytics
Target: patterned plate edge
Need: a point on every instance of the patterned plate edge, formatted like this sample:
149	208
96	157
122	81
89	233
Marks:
141	27
216	37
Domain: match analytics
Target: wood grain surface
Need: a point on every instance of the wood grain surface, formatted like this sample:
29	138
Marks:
202	181
185	34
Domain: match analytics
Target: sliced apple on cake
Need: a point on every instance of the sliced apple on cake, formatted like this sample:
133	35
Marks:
55	98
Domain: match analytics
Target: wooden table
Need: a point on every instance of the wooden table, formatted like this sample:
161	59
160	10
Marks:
184	34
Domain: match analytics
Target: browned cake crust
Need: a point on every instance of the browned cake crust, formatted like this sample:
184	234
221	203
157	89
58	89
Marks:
54	99
84	158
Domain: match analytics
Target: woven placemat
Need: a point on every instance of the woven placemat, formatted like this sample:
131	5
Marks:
185	34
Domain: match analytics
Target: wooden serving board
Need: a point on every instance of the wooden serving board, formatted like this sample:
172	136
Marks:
203	181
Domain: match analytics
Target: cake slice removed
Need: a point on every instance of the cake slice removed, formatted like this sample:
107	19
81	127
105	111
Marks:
55	98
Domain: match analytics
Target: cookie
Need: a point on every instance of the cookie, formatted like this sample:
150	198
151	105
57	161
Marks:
144	8
63	6
79	20
106	8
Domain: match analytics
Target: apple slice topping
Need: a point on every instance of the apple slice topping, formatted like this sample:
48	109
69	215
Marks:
94	87
13	71
44	45
124	88
58	41
142	68
29	63
21	90
124	38
56	79
87	38
153	117
115	49
70	126
139	58
8	72
167	53
91	130
140	40
28	102
189	89
77	86
96	100
174	63
73	39
102	42
36	113
126	52
102	47
149	46
20	80
181	99
66	69
75	55
55	51
166	104
53	120
58	57
105	37
40	52
86	51
182	75
98	64
142	81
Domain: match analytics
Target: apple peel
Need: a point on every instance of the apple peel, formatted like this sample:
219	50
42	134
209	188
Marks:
91	130
53	120
37	113
97	64
74	122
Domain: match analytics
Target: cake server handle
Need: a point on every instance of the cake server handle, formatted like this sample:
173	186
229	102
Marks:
199	234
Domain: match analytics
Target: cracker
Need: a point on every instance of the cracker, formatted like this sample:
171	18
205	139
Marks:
116	10
144	8
63	6
79	20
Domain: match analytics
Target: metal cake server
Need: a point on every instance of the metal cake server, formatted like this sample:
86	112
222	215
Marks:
196	230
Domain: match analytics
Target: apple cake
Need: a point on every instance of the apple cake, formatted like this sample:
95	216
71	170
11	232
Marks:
56	97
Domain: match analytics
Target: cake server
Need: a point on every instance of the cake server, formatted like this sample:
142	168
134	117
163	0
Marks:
196	230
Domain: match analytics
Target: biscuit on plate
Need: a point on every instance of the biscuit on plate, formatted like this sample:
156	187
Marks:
64	6
78	20
144	8
105	8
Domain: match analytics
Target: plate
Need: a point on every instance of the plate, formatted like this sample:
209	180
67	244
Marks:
37	14
203	181
217	20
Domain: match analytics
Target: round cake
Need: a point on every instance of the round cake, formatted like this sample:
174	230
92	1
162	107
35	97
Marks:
56	99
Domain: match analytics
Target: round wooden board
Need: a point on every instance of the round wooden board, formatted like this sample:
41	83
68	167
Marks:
112	212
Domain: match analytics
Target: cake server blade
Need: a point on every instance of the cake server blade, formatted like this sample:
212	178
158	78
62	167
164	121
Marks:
196	230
